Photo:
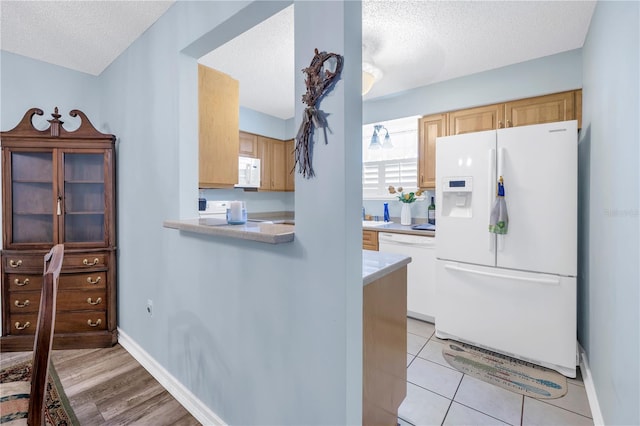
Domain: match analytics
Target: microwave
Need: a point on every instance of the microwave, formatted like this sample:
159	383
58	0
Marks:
248	172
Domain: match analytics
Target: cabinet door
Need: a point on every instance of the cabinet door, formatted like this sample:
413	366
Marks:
29	199
85	198
278	165
248	145
264	150
430	127
489	117
218	109
541	109
272	164
290	174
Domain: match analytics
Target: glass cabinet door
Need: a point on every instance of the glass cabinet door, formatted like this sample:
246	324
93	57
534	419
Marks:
84	197
32	198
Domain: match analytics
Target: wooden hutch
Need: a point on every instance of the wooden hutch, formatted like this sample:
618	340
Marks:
58	187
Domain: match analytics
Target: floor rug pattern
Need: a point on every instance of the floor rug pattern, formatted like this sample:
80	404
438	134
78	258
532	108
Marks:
58	412
501	370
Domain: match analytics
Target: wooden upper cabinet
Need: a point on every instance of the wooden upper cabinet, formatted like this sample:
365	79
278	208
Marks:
248	145
290	161
218	110
429	127
489	117
272	164
541	109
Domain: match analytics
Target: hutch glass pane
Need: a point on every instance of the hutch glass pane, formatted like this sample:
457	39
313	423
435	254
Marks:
32	197
84	197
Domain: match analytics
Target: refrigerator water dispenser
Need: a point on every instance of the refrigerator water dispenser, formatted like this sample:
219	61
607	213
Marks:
456	196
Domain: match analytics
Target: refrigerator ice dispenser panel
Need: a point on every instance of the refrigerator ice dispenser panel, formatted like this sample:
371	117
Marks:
456	196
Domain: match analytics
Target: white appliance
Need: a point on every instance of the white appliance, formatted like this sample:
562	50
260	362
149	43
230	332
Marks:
248	172
215	210
514	293
421	272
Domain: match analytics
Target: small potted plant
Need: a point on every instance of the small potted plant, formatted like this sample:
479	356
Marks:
405	199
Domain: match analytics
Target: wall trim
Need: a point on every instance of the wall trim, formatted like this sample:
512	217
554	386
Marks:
184	396
590	388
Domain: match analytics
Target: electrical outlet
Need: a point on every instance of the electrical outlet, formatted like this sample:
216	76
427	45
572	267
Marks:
150	307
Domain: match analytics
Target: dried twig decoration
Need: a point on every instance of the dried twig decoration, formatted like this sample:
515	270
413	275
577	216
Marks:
318	84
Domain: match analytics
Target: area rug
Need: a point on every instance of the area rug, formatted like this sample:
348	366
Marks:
58	412
508	373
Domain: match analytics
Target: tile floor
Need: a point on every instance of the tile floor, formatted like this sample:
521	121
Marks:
438	394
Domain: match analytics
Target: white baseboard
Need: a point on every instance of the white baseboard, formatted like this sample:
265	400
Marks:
183	395
590	388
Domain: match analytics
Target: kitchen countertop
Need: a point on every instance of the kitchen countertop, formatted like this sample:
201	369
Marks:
376	264
271	233
400	229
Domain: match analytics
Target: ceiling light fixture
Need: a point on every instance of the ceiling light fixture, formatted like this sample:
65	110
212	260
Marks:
375	138
370	72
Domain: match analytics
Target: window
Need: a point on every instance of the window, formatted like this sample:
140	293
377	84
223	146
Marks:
397	166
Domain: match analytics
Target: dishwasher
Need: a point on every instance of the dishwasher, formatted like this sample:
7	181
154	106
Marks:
421	272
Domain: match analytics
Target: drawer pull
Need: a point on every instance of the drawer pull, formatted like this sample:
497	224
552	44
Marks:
94	324
22	327
91	302
15	264
90	281
21	305
86	262
20	284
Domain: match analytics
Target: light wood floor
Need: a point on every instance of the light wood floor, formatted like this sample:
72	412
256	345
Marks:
109	387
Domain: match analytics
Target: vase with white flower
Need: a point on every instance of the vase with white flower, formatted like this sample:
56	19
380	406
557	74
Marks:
406	199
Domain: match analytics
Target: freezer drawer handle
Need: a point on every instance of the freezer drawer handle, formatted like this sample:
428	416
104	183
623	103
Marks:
551	281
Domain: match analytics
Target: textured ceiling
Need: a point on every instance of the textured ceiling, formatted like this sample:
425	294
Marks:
414	43
82	35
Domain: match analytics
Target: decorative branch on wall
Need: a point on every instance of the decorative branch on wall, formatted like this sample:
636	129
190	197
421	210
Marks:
319	81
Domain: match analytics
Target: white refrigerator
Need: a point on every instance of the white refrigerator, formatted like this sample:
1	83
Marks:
513	293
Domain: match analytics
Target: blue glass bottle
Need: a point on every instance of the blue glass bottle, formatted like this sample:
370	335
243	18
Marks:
386	212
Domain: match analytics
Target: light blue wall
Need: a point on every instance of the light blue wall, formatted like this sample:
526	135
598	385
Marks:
609	160
262	124
262	334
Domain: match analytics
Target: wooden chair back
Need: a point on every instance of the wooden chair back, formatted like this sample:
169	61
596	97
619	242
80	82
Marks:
44	335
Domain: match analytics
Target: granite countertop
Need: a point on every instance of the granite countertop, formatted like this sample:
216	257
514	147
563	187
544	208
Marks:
400	229
376	264
271	233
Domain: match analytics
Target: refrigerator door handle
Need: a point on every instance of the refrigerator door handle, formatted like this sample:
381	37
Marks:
550	281
501	154
492	194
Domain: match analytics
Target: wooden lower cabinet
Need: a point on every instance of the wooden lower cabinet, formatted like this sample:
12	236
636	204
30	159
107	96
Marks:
384	347
86	302
369	240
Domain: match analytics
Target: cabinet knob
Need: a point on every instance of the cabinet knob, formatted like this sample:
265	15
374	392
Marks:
21	284
509	123
15	264
22	327
94	324
21	305
86	262
500	125
97	302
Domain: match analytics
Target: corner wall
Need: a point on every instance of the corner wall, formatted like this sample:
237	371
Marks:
609	214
